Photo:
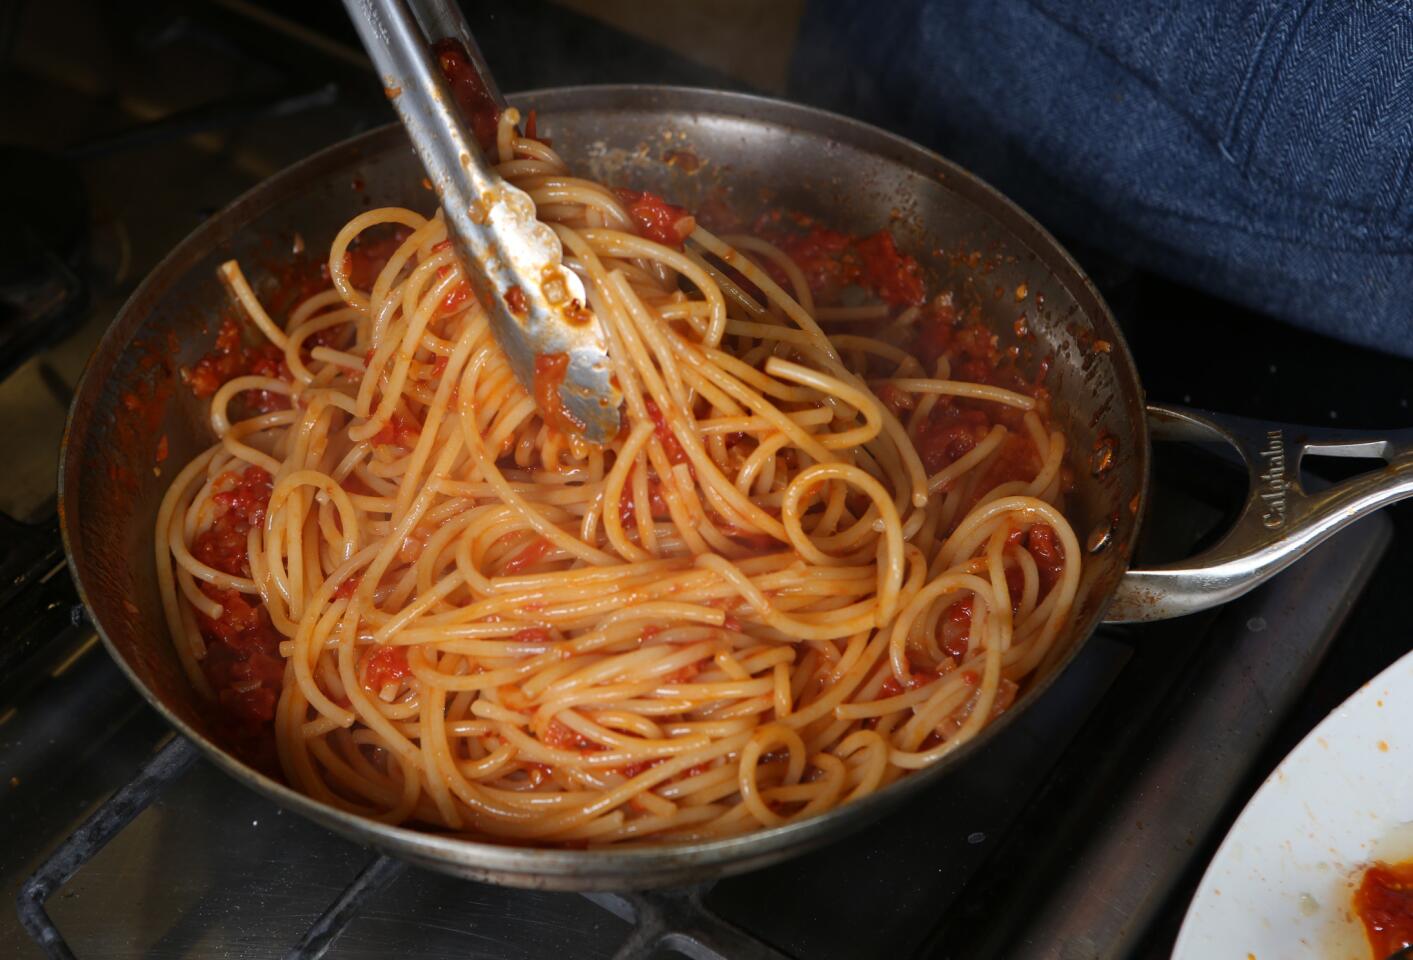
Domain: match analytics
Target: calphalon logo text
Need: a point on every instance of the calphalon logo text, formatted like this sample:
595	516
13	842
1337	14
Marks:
1273	480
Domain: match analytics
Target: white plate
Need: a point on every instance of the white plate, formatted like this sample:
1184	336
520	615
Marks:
1279	887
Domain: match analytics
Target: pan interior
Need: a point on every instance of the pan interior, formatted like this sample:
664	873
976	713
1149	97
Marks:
696	147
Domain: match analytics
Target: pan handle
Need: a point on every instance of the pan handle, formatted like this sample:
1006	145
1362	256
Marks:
1280	522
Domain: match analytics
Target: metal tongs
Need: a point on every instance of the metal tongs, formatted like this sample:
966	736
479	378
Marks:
537	306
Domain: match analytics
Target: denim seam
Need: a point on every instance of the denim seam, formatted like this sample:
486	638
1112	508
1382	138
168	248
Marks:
1148	82
1269	94
1358	214
1224	143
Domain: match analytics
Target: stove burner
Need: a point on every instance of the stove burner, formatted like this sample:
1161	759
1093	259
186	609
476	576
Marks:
44	209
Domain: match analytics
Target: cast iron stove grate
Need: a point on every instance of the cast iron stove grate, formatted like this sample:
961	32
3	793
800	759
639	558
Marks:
677	920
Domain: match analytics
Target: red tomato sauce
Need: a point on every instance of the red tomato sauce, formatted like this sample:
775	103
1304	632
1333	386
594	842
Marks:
527	557
245	670
633	769
1049	555
1384	902
949	434
457	296
383	665
955	629
231	358
627	505
240	352
240	505
399	431
243	663
832	261
665	436
975	354
891	275
919	678
897	401
550	369
563	737
656	219
956	425
368	254
292	282
477	105
532	129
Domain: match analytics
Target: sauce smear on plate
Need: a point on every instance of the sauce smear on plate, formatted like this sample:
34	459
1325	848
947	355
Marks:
1384	902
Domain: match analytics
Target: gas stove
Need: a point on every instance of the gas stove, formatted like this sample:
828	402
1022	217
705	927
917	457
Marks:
1079	833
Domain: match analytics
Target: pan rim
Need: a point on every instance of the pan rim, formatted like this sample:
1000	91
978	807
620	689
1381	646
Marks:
638	866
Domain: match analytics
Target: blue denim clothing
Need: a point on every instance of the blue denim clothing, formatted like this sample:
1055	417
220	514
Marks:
1257	149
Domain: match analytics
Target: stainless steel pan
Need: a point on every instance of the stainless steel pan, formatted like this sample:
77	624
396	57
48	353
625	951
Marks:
752	152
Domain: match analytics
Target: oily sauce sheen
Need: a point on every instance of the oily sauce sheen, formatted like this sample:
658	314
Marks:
1384	902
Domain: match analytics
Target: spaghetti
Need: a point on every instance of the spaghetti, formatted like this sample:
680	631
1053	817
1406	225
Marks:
808	564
